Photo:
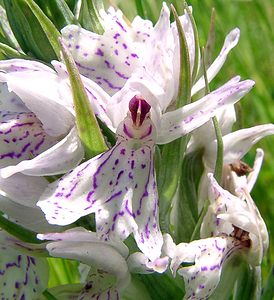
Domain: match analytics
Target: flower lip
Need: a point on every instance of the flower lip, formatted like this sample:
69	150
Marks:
139	109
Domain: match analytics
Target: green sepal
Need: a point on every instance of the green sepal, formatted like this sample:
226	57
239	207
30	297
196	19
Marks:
184	214
87	125
89	16
58	12
19	232
184	89
162	286
33	30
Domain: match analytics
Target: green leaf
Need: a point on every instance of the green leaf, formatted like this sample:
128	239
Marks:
248	285
18	231
184	214
89	17
10	52
210	44
268	290
87	125
34	32
58	12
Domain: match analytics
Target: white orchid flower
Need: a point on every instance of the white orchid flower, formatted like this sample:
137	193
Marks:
109	262
22	276
124	49
37	121
232	225
119	185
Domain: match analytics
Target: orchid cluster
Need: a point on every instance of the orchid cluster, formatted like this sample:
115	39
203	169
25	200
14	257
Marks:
114	153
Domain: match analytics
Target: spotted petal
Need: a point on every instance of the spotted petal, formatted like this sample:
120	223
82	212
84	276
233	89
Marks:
42	91
208	257
58	159
21	276
182	121
119	186
21	136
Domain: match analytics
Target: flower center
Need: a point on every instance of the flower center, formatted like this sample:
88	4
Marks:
139	109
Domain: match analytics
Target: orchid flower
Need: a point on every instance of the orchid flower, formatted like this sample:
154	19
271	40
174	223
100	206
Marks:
109	262
125	50
236	145
22	276
231	225
125	199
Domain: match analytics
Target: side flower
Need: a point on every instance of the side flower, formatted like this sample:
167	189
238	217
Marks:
231	225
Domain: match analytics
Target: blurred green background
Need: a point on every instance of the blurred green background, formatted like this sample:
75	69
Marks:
252	58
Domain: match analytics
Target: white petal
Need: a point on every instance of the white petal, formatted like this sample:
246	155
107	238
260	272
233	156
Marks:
22	65
79	234
10	101
21	137
208	256
226	117
252	176
182	121
119	186
108	60
44	94
101	255
238	143
31	218
139	263
23	189
231	41
58	159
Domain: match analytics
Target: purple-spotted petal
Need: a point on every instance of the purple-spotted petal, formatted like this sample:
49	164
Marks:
21	276
21	137
208	257
109	60
118	185
227	211
231	41
58	159
182	121
238	143
23	189
44	93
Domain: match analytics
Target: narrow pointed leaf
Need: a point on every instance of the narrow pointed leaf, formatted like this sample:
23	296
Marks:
87	125
10	52
89	16
209	48
34	32
58	11
18	231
